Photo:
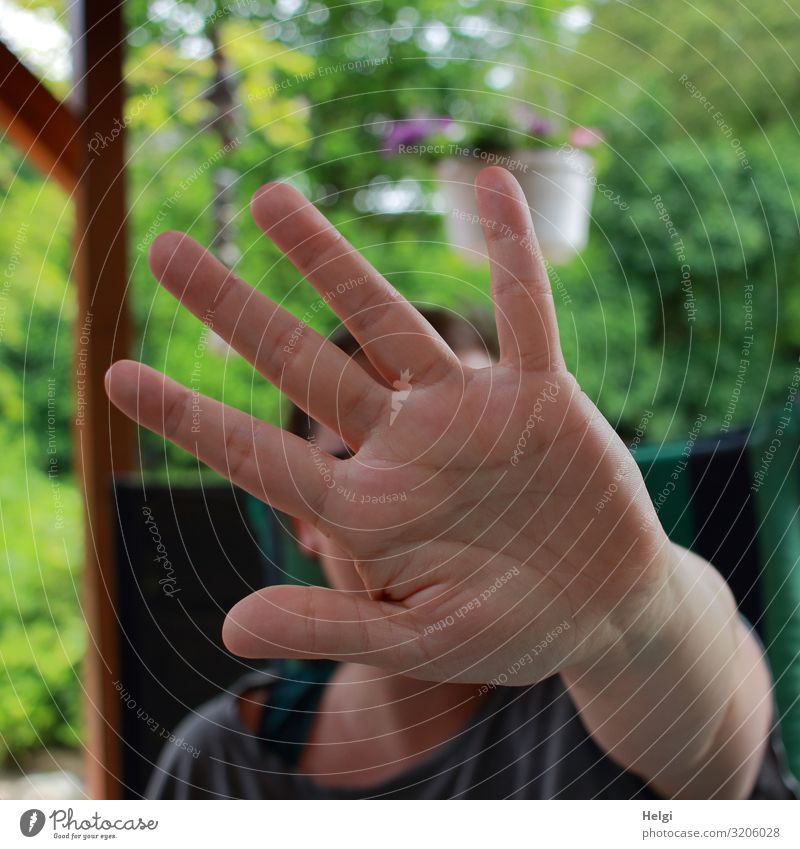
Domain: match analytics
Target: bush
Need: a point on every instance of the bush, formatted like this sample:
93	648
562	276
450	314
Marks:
42	632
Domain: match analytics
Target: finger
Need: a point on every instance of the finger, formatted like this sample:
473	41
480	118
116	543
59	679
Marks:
315	623
393	334
272	465
316	375
526	318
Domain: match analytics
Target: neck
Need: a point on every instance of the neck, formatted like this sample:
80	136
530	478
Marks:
399	700
386	723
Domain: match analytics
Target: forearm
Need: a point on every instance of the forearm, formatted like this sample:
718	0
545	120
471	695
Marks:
684	701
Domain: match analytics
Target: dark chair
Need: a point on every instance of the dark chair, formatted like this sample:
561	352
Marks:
736	502
172	602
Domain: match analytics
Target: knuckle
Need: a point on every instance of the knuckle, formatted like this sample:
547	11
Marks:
321	249
175	413
230	285
239	449
280	348
524	287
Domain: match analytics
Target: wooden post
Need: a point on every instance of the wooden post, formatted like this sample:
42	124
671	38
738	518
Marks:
40	125
103	436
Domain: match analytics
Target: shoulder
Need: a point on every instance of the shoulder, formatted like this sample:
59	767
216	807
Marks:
211	753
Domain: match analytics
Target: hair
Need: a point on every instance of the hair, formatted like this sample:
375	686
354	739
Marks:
476	330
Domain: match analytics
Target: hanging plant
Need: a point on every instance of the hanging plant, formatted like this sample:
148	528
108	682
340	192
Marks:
551	165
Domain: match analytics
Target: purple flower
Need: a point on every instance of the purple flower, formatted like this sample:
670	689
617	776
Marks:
413	131
540	127
585	137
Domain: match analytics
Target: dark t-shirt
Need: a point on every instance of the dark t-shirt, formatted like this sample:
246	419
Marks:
521	743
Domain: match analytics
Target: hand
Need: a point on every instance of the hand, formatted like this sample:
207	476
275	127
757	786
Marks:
472	505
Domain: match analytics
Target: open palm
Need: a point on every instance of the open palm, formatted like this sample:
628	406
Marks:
501	529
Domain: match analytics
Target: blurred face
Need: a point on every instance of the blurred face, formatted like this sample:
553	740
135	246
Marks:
338	567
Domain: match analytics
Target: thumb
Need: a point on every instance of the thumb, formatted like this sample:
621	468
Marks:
317	623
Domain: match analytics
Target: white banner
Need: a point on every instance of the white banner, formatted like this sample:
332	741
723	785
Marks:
400	825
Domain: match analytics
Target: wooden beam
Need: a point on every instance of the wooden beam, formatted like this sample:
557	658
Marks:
104	438
38	123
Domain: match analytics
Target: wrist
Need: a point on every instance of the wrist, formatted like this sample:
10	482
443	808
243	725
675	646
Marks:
644	625
685	677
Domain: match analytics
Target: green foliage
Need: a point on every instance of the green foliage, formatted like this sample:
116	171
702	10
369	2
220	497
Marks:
651	336
42	634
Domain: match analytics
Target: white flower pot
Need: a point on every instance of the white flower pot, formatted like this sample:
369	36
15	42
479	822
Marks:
557	185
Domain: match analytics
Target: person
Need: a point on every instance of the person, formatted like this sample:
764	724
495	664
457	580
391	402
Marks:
486	631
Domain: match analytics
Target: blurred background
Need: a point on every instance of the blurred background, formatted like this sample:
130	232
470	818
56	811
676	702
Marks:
682	310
